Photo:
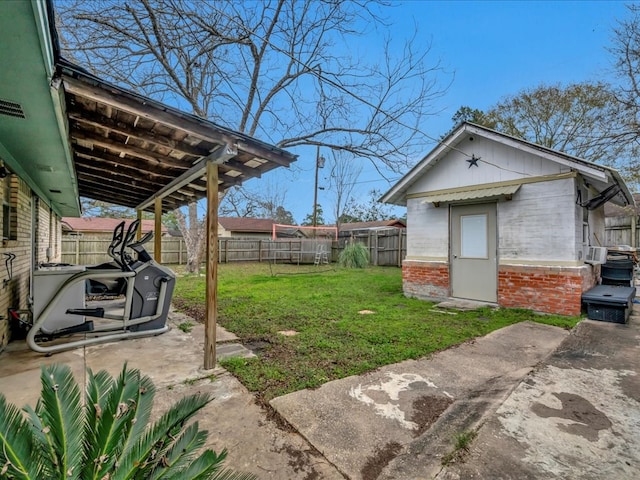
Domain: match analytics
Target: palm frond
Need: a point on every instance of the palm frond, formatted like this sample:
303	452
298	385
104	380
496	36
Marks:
140	456
16	444
56	440
62	418
118	409
205	466
208	467
97	389
144	401
47	457
177	454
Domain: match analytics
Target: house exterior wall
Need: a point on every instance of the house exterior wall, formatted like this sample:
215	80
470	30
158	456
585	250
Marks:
15	292
542	232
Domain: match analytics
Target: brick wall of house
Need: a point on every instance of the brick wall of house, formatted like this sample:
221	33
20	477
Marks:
15	292
428	280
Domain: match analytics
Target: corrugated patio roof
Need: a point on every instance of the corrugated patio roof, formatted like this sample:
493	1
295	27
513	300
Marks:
472	194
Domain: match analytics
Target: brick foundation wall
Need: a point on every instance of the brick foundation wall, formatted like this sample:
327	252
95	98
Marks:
556	290
428	280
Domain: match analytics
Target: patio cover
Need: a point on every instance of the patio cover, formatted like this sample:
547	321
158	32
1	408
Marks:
128	149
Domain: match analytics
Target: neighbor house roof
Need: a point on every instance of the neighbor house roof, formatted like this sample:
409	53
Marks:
247	225
100	225
599	175
396	223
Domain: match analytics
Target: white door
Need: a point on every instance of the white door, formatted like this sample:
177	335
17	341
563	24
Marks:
474	271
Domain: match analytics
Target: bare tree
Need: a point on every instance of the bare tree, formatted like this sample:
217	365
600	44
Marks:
577	119
626	55
258	67
267	201
343	176
191	228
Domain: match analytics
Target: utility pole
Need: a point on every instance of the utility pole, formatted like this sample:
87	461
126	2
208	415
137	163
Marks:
319	165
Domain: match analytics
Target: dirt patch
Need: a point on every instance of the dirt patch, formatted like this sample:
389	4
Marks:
258	347
380	459
197	312
426	410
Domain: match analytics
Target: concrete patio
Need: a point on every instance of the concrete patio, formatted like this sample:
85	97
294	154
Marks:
544	403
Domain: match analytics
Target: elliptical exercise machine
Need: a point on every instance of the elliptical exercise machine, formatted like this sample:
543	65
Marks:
61	312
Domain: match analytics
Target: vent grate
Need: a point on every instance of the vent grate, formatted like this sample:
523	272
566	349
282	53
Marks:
11	109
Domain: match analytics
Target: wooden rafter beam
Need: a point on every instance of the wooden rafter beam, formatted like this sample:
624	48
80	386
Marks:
190	176
136	152
100	121
111	161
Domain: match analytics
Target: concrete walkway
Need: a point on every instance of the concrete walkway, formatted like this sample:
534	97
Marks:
398	421
545	403
576	416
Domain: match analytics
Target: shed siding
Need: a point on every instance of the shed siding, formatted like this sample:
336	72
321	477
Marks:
499	163
428	231
540	224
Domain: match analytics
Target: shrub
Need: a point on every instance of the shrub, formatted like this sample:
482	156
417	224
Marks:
354	255
106	434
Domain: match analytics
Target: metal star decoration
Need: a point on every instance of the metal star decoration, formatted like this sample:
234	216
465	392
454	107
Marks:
473	161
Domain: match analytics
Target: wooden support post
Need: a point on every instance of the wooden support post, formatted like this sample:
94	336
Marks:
211	316
139	231
157	231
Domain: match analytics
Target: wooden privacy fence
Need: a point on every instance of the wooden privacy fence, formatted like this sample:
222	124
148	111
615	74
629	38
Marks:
620	230
386	247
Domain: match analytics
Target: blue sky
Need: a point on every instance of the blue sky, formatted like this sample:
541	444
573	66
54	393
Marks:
493	49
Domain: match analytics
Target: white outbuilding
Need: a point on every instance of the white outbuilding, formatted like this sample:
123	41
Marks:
494	218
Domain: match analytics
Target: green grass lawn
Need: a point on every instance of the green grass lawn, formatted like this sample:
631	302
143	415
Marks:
334	339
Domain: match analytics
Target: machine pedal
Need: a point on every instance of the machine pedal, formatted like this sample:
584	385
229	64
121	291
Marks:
89	312
83	327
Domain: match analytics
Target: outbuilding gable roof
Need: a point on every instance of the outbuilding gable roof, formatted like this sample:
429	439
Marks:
600	175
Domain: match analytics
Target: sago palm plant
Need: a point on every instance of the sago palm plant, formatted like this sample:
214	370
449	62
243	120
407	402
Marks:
105	435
